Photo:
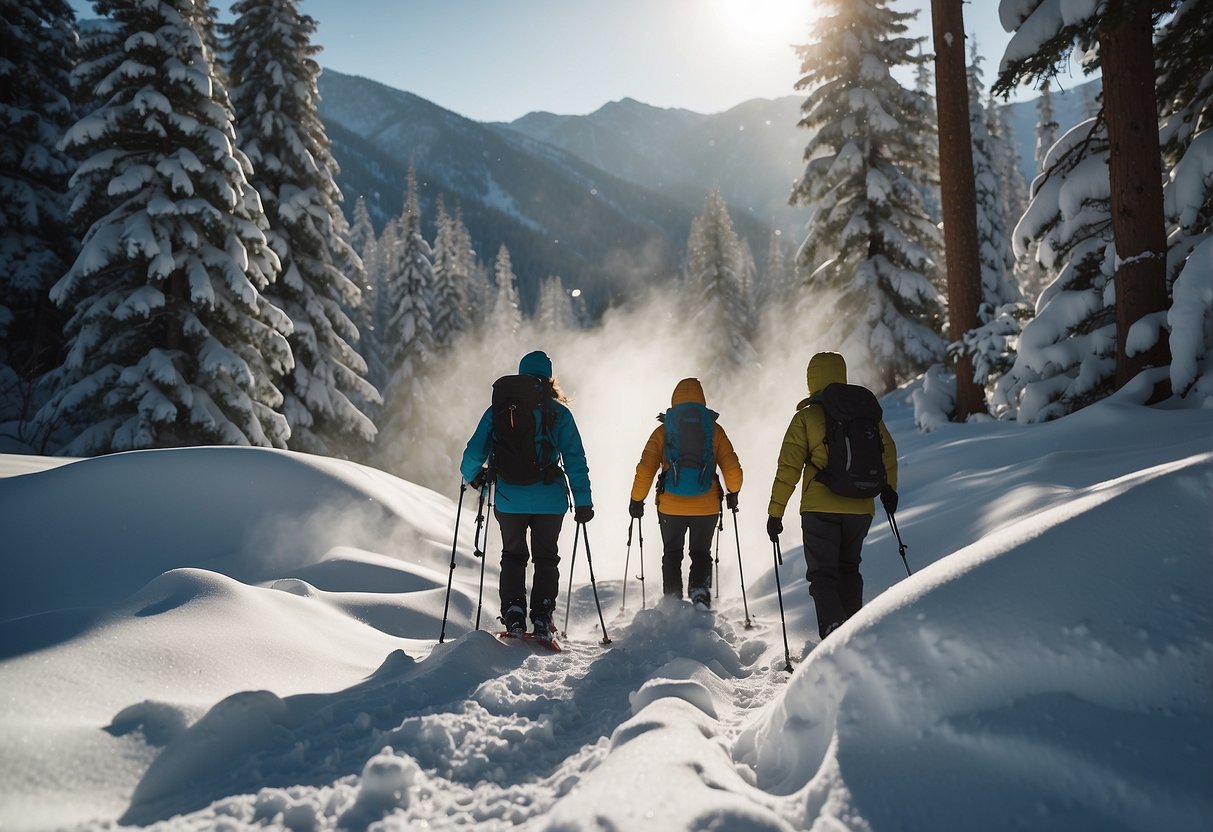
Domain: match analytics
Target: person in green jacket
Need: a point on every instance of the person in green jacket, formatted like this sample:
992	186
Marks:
833	526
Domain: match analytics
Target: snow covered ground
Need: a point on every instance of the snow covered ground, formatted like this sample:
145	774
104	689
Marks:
239	638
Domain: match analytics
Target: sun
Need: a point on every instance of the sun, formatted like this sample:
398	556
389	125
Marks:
766	18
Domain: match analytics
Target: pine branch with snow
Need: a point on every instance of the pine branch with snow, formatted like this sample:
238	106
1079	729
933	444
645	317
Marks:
1185	91
1066	353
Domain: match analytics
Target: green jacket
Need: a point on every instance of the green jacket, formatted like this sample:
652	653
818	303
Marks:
804	442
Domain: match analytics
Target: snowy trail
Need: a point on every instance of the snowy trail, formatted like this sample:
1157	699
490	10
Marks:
518	728
1048	665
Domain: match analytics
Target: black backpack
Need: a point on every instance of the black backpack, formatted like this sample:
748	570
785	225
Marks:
855	451
523	452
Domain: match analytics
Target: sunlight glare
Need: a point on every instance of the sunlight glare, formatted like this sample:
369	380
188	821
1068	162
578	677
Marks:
765	18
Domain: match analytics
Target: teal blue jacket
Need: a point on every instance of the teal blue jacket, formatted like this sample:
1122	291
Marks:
538	498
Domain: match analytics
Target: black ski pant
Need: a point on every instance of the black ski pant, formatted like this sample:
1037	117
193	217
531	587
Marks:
832	544
675	528
545	536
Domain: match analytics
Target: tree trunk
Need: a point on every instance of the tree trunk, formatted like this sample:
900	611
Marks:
959	193
1135	173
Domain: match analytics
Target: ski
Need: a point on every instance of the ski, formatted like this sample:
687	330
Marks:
550	644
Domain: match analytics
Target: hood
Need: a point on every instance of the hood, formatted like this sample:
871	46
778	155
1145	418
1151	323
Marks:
535	363
688	390
826	368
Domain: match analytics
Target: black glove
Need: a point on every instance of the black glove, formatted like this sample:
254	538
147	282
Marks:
774	528
888	499
583	514
480	479
636	508
730	501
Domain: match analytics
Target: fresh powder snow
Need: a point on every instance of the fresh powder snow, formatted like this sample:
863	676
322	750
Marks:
247	638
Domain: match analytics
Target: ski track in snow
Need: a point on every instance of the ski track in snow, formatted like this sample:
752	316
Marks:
504	747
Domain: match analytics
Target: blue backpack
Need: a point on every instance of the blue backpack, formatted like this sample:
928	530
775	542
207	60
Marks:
690	463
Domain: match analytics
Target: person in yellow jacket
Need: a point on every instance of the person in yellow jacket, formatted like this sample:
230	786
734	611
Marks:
833	526
688	491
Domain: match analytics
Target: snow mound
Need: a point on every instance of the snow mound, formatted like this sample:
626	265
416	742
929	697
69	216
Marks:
252	514
972	691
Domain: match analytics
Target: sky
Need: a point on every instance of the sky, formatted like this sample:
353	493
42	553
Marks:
496	60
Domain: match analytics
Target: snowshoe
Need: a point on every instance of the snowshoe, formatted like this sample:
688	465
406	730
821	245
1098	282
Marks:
702	597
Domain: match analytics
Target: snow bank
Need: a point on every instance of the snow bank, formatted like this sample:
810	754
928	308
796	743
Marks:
90	532
1055	674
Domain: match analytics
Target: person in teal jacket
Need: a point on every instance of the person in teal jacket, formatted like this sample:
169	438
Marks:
539	507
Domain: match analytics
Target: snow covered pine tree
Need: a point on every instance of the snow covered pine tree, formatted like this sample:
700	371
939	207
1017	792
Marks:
170	340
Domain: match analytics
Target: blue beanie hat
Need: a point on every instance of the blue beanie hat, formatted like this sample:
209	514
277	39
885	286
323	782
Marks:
536	363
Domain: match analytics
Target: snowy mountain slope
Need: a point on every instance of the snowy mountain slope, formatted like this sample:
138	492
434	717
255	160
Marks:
616	188
1048	665
555	212
752	151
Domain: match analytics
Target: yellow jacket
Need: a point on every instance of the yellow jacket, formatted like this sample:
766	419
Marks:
804	442
652	459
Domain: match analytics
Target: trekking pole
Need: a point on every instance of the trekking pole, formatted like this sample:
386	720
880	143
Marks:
740	572
901	547
787	653
594	586
626	558
463	487
640	532
719	533
486	493
568	598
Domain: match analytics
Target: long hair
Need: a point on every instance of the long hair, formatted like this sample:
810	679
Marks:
557	393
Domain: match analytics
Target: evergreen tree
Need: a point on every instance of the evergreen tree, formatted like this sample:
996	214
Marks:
1122	30
478	289
748	316
554	312
991	344
380	266
1185	93
506	316
1004	154
170	339
1046	125
869	241
407	334
1066	353
274	96
924	85
38	42
717	276
450	309
361	312
362	239
779	280
407	344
